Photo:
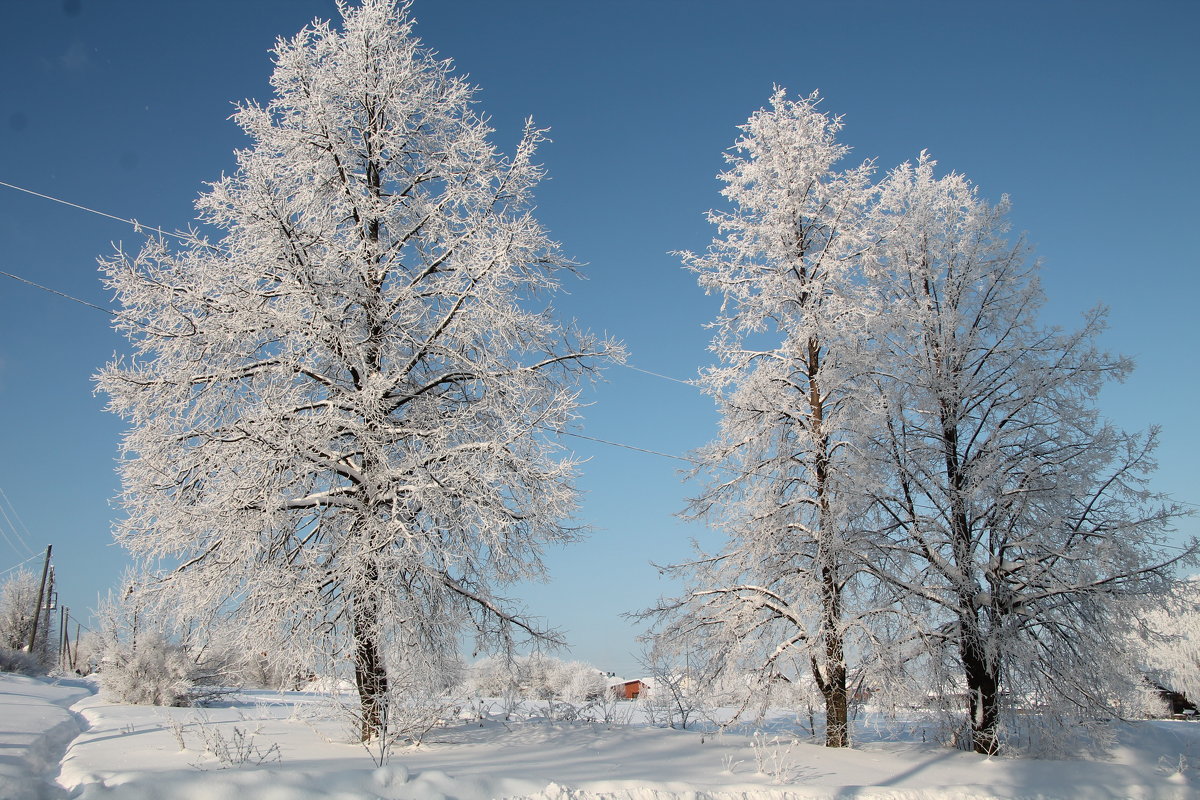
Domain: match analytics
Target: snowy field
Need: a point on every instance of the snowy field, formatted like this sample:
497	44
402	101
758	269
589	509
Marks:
60	740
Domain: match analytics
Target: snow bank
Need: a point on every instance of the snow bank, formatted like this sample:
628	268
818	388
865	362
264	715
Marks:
386	783
35	728
292	749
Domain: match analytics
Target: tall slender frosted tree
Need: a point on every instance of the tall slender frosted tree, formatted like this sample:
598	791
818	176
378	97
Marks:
339	407
1019	518
785	262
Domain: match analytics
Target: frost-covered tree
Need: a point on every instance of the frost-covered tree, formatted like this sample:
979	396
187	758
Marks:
147	658
785	262
492	676
1016	516
1169	647
18	599
536	677
339	408
579	682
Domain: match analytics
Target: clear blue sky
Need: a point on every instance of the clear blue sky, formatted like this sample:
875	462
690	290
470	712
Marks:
1086	113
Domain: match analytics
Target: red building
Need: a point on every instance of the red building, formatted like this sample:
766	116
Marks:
630	690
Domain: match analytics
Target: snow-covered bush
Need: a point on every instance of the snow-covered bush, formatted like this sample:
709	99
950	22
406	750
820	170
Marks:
153	671
536	677
542	685
577	682
260	671
493	676
145	660
87	652
1170	643
19	661
421	695
18	598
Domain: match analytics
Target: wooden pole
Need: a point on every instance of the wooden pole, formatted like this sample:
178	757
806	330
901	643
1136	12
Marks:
37	611
63	639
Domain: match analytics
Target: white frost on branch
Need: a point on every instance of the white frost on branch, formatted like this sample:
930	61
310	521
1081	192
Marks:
339	410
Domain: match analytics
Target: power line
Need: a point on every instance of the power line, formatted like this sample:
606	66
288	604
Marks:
71	616
36	285
16	567
137	226
17	516
634	448
659	375
628	447
698	462
4	533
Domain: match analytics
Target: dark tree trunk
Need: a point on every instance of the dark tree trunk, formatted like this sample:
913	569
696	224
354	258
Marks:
831	676
837	716
370	678
833	690
370	669
983	682
981	671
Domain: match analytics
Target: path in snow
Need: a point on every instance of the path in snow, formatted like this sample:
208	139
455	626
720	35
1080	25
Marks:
35	729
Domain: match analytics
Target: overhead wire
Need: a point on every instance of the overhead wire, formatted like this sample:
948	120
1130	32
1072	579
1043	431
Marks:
11	543
659	375
137	226
36	285
185	238
15	532
78	622
17	566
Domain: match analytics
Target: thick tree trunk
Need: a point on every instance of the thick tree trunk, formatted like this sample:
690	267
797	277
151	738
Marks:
370	678
831	676
370	669
837	716
831	679
982	673
983	696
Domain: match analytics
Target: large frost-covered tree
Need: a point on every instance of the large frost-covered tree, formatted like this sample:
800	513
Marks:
1015	514
785	263
1170	645
339	408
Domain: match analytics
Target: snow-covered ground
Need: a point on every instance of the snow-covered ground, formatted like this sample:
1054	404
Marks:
291	748
35	728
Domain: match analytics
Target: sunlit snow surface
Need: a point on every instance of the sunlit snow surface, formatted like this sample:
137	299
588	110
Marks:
35	727
133	753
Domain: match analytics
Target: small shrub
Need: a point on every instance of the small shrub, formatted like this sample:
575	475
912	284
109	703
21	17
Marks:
237	748
774	758
152	672
20	662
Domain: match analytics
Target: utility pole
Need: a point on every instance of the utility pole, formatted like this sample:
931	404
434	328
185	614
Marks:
63	641
49	606
37	610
